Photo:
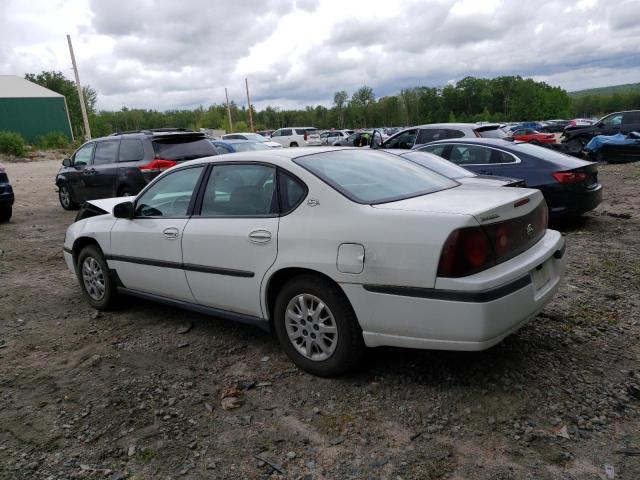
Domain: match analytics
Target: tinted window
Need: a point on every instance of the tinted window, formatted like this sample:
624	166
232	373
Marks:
631	117
438	165
222	149
233	136
277	133
369	176
287	132
435	149
612	120
83	156
491	132
131	150
183	148
106	152
450	133
240	191
249	146
504	157
292	192
426	135
470	155
404	139
170	195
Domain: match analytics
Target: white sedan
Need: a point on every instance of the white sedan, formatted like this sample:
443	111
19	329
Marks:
253	137
334	249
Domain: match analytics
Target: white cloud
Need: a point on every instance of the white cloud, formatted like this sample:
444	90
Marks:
165	54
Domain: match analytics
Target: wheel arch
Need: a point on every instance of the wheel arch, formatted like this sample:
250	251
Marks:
82	242
280	277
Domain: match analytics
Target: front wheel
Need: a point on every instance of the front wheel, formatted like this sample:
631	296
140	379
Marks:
317	327
97	285
66	200
576	146
5	214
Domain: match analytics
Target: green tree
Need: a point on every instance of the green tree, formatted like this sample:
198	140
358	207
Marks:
361	100
339	100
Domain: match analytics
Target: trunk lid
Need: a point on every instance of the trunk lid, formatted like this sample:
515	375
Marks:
486	204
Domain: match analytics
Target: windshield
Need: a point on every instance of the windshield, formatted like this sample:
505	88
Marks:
491	132
254	137
438	165
371	177
248	146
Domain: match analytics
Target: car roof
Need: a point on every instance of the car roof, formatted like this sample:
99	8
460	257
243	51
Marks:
458	125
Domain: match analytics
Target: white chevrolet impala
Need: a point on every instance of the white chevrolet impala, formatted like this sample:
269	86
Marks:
334	249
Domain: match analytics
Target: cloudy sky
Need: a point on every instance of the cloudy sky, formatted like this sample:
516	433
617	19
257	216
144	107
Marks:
179	54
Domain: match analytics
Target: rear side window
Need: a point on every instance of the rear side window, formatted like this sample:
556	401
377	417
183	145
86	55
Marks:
631	117
451	133
435	149
470	155
426	135
238	190
182	148
131	150
503	157
292	192
106	152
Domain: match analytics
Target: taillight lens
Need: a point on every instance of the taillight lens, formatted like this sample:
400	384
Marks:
567	178
306	135
466	251
157	165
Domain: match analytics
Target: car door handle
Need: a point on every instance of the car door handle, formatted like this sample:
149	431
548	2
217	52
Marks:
171	233
260	236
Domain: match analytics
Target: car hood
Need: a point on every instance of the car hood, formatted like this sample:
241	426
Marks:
273	144
107	204
486	204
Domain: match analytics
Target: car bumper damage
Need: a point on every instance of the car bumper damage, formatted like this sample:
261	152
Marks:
470	313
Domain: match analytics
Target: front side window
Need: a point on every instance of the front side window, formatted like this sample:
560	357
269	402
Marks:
82	157
371	177
106	152
286	133
426	135
277	133
170	196
405	139
240	190
612	120
470	155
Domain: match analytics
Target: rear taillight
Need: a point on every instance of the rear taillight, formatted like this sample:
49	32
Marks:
473	249
567	178
157	165
306	135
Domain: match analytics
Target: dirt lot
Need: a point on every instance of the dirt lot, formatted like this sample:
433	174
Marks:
137	393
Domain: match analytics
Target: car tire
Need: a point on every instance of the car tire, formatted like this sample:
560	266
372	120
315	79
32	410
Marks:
293	144
125	192
98	286
316	349
576	145
66	199
5	214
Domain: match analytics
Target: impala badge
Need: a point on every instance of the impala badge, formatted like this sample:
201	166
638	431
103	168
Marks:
530	230
313	202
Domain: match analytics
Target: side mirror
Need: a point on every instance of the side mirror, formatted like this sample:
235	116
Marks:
123	210
66	162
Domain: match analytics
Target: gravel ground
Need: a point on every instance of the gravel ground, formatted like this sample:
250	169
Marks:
151	392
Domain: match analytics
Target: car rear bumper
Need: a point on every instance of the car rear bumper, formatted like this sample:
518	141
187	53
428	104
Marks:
475	317
6	196
563	203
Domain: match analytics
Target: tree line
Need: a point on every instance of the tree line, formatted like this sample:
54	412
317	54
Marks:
505	98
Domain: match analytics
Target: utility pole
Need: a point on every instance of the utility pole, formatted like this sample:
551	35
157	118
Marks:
83	108
249	102
228	110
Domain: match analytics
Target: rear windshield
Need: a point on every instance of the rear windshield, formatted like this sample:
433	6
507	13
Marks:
547	154
439	165
491	132
371	177
183	148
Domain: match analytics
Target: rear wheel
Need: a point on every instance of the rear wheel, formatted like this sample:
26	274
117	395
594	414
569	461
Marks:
66	200
98	287
293	144
316	326
5	214
576	146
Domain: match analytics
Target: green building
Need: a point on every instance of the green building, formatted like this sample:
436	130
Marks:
31	110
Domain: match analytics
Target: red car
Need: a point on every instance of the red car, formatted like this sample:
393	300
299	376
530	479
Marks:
533	136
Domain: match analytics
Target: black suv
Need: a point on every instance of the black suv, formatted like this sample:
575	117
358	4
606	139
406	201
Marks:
123	163
576	138
6	196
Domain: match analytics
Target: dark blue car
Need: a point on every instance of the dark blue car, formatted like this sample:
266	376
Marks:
6	196
569	185
232	146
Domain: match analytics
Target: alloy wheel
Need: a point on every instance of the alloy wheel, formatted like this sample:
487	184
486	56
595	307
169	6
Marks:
311	327
65	196
93	278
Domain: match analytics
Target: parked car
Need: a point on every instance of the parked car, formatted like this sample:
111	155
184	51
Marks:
335	249
619	148
6	196
122	164
553	126
330	136
357	139
232	146
252	137
456	172
265	133
569	185
296	137
411	137
532	136
576	138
